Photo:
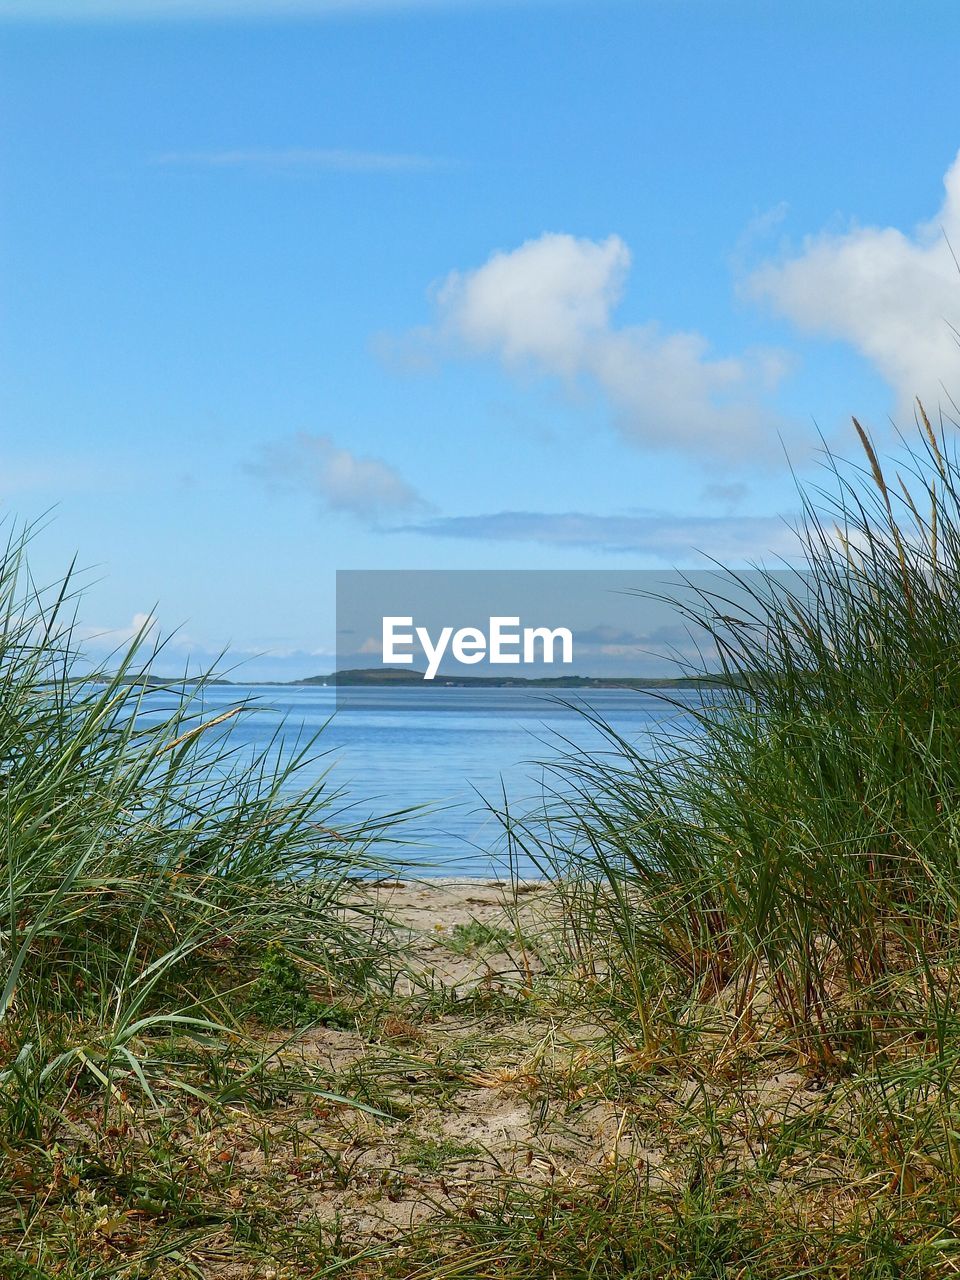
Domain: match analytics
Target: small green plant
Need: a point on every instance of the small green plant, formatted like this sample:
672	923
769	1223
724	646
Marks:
16	1269
430	1155
280	996
466	939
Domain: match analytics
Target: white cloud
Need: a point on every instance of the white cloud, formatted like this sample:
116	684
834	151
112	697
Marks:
549	304
142	625
173	655
300	159
342	481
542	302
893	296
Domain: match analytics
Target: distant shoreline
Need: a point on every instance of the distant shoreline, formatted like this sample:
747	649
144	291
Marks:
395	677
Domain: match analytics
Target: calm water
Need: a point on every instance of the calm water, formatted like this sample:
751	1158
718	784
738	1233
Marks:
391	749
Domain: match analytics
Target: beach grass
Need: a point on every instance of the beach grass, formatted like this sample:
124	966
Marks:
721	1039
160	889
801	852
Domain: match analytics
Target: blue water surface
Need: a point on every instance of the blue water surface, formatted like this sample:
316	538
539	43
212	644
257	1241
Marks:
444	750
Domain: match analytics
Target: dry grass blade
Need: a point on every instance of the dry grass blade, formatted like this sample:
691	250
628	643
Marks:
202	728
892	525
932	438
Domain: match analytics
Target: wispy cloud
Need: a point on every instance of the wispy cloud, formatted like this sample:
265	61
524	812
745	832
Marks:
729	496
173	10
666	538
339	479
549	306
894	296
301	160
142	626
174	654
63	474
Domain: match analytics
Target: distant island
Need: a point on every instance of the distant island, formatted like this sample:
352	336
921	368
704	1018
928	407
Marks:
394	676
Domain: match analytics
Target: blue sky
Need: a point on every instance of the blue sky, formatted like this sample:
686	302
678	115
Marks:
293	287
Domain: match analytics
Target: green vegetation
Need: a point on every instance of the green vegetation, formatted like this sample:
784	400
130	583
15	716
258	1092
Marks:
801	855
478	935
433	1154
280	996
146	864
723	1043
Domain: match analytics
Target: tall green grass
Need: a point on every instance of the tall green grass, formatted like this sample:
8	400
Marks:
800	858
148	861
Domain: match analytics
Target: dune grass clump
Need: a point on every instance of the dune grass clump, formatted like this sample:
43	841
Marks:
800	857
149	863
